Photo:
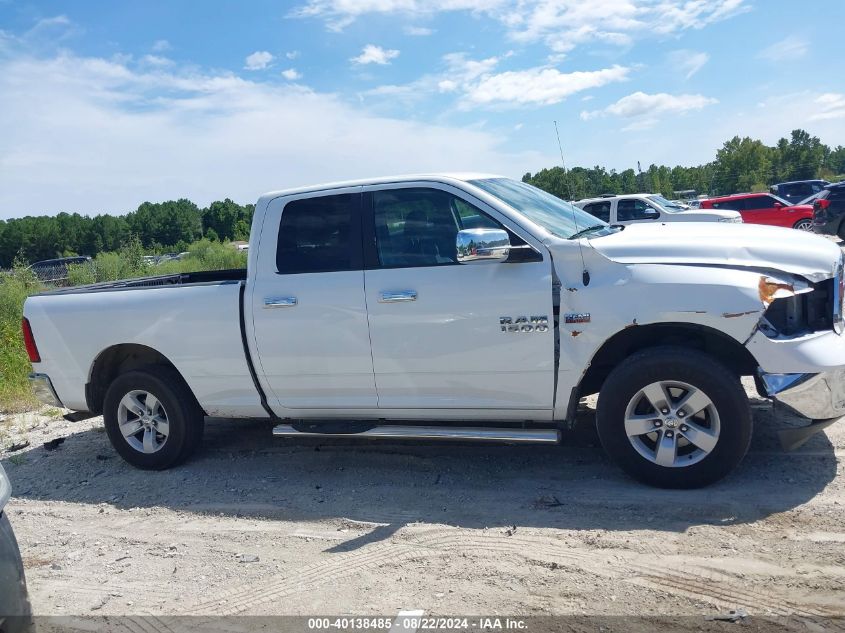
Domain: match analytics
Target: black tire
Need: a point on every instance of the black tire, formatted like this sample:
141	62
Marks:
696	369
184	416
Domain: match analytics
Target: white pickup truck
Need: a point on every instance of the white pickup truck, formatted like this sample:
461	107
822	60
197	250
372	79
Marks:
461	307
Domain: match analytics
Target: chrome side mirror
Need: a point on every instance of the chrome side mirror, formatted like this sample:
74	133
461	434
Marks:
482	245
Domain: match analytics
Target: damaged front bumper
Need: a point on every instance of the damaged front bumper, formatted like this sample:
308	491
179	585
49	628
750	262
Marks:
819	397
814	396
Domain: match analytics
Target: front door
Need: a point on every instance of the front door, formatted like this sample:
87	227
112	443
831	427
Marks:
447	335
308	305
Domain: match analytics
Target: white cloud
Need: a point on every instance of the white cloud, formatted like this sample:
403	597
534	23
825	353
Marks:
160	46
539	86
418	31
156	60
291	74
832	106
372	54
789	48
259	60
688	62
447	85
95	135
560	24
292	54
648	106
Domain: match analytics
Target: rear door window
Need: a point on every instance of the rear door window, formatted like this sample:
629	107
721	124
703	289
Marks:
321	234
601	210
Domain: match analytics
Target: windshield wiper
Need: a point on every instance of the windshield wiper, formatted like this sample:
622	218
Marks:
587	230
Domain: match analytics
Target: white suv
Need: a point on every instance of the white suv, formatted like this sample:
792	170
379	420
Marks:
649	207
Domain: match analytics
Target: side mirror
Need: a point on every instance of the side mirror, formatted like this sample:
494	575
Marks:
482	245
778	205
651	214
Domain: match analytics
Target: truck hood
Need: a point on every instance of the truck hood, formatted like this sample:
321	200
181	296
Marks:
722	244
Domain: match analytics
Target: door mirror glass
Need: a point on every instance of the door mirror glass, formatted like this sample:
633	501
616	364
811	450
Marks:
482	245
650	213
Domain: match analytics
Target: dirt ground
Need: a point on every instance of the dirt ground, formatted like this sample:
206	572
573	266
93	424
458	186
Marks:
264	526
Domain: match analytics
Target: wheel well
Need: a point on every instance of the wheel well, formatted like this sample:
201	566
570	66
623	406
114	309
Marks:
633	339
117	360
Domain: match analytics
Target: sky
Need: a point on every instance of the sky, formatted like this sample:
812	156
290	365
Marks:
104	105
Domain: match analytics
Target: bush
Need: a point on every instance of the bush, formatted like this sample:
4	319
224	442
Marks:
15	287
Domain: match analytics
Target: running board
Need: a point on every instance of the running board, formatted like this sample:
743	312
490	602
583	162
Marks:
479	434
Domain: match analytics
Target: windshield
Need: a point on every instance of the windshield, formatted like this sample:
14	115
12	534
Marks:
672	207
553	214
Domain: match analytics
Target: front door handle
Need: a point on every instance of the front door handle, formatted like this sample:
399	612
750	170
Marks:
397	296
279	302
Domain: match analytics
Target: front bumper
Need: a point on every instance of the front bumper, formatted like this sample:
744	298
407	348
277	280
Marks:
815	396
43	389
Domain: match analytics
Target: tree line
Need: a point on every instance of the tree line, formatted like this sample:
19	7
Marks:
742	164
160	227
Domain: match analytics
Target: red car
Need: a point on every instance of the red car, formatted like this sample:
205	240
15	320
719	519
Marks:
764	208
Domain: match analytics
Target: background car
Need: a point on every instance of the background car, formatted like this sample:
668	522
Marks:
829	210
55	270
14	601
645	207
795	191
764	208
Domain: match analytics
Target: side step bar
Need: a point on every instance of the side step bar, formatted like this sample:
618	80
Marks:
482	434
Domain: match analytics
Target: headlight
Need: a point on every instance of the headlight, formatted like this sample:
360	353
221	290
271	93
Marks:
5	488
731	220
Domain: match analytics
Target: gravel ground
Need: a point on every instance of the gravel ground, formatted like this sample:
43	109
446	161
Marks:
263	526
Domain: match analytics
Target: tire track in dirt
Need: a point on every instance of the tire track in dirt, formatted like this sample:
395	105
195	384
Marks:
720	590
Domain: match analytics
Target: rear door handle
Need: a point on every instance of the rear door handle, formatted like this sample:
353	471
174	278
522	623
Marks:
280	302
391	296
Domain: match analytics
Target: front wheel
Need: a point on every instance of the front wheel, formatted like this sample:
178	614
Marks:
674	417
803	225
152	418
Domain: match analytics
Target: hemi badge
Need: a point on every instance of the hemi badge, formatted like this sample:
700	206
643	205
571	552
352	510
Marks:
572	317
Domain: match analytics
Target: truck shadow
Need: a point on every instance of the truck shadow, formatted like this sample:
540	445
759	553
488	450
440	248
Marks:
242	471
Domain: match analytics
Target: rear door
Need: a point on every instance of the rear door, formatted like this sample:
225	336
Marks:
448	336
308	307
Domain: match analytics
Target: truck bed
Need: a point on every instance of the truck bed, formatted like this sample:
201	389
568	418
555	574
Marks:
193	319
232	275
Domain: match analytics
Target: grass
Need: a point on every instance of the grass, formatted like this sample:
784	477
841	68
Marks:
16	286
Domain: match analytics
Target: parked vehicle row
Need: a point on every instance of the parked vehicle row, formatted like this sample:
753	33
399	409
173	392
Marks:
640	207
460	307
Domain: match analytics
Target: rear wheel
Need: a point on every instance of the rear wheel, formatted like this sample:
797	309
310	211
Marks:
152	418
803	225
674	418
